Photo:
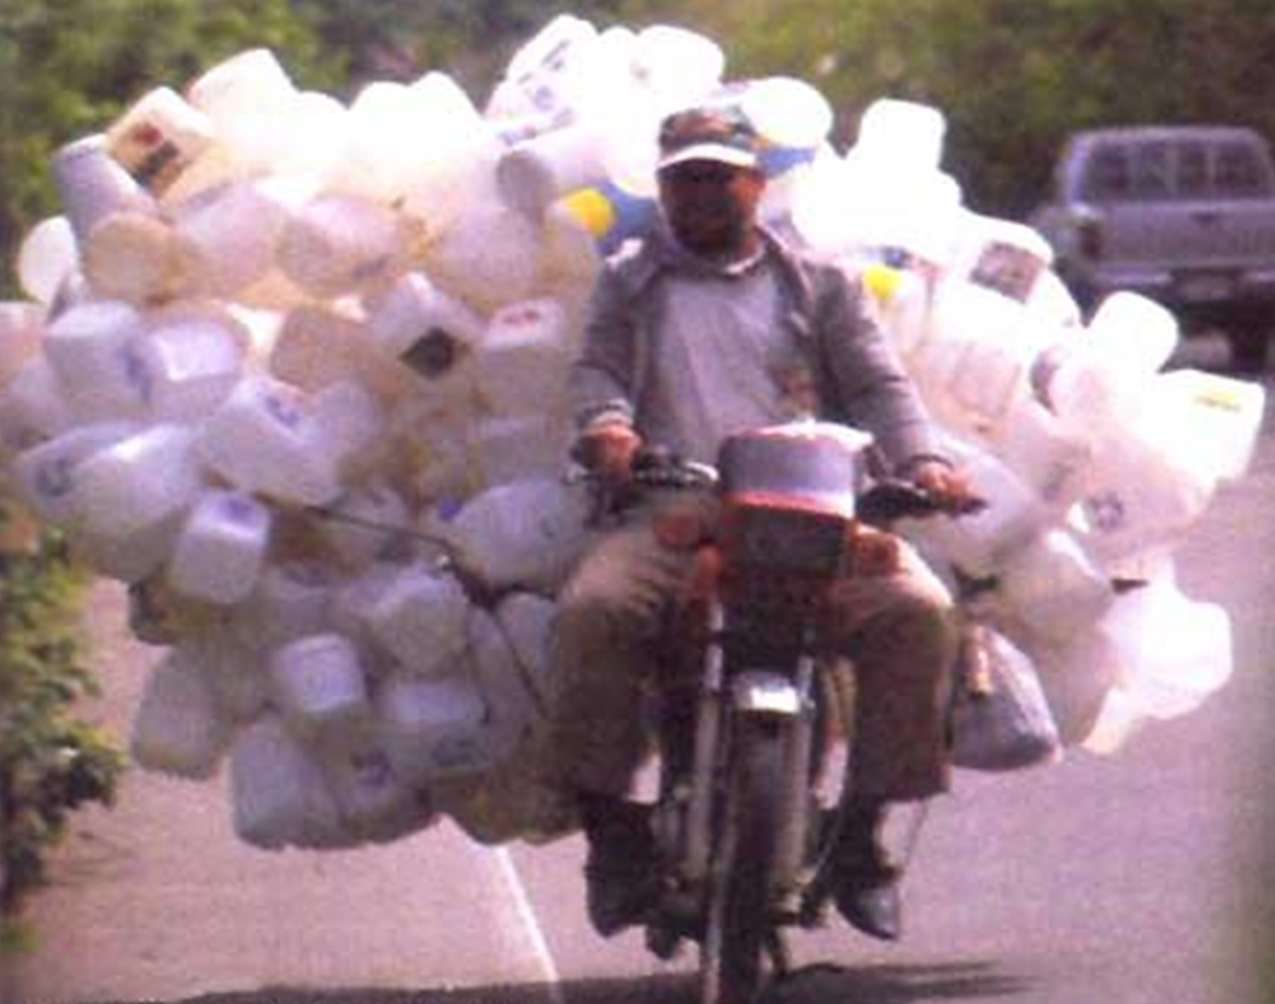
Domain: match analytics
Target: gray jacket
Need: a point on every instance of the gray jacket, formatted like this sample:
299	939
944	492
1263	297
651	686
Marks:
857	376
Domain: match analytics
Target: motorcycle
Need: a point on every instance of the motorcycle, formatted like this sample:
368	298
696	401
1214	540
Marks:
750	700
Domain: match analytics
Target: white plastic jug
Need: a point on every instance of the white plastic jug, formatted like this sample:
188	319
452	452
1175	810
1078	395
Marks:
411	145
979	543
490	257
235	673
1133	333
980	350
92	185
21	336
315	137
547	69
524	533
339	244
503	450
291	600
509	692
46	256
319	685
1051	460
366	522
138	482
1218	416
1003	256
279	794
191	363
428	331
131	556
33	406
539	170
45	476
1090	390
252	104
521	366
1077	674
139	258
1142	492
319	346
908	134
242	83
93	349
1118	718
221	549
158	137
678	67
903	301
421	618
791	116
1052	588
178	728
887	207
375	801
352	422
432	727
527	622
1174	651
264	439
232	230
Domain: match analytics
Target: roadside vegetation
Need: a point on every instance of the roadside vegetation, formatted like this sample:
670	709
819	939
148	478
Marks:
1013	79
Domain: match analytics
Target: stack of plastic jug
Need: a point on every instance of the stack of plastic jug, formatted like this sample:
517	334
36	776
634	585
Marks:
292	368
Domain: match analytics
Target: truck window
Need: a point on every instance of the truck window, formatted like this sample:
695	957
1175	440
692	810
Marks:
1107	177
1193	169
1151	170
1238	171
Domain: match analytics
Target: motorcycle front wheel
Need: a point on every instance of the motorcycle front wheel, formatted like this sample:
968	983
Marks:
738	925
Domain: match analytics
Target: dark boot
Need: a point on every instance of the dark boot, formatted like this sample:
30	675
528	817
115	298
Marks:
620	874
865	885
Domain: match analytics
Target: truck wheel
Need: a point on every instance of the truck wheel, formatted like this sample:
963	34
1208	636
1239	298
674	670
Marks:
1249	346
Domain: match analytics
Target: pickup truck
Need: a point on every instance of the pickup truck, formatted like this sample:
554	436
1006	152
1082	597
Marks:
1183	214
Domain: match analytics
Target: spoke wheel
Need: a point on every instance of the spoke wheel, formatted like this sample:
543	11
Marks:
738	925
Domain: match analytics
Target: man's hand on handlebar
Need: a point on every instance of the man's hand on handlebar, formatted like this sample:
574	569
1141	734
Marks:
949	487
608	450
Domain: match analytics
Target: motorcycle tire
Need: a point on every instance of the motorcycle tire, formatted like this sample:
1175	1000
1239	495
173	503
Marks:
738	927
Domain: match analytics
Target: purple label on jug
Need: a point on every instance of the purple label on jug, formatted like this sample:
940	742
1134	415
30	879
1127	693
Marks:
53	479
136	373
240	509
1106	512
284	411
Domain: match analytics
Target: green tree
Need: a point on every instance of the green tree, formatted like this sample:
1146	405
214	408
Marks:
51	762
470	39
1013	78
69	68
66	70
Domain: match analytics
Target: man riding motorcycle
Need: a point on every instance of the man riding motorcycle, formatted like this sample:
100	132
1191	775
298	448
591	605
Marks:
710	326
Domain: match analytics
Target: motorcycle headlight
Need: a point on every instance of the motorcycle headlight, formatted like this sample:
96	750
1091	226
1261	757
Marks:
790	540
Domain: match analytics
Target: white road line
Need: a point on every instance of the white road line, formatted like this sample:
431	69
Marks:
527	913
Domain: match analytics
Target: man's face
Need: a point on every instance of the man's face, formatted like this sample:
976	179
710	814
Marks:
711	207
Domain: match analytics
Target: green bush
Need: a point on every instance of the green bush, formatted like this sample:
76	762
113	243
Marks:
51	762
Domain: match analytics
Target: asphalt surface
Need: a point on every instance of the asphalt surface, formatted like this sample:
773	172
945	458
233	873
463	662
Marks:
1141	877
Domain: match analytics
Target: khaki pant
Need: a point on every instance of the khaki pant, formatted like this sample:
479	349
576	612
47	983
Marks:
898	629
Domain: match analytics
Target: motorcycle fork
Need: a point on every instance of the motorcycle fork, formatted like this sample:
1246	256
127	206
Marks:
716	706
793	838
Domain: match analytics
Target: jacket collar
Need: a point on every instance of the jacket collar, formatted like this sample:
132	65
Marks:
659	252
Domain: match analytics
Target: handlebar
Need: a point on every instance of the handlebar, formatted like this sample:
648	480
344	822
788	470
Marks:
891	499
885	501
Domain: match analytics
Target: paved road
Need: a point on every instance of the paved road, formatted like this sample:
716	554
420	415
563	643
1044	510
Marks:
1138	878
